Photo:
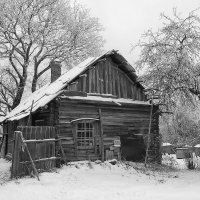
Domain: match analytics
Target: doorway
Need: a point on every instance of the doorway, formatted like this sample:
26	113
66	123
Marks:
132	148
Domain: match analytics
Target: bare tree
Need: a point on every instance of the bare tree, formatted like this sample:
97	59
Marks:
170	59
34	31
8	86
181	128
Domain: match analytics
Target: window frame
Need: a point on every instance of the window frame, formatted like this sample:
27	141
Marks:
84	134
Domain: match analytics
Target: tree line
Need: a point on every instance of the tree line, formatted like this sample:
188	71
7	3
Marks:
170	62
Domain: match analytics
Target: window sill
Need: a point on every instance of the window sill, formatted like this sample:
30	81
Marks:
85	147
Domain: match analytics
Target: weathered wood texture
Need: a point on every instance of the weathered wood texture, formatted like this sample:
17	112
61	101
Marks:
15	168
117	121
8	130
40	141
106	77
46	116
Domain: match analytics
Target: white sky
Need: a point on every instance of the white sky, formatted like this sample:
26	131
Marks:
126	20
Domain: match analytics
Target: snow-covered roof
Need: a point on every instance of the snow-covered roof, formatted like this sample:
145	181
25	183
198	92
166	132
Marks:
117	101
45	94
166	144
48	92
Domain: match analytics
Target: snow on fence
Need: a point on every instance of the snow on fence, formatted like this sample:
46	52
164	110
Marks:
34	150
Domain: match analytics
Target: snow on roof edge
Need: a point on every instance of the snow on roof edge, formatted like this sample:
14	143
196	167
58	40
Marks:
48	92
108	99
166	144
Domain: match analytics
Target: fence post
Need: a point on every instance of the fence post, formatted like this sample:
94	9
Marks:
15	154
3	146
62	151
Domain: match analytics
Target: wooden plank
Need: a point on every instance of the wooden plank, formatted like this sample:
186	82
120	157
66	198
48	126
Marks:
149	136
62	152
97	79
113	80
118	83
103	78
75	141
84	83
39	141
87	81
15	159
90	80
106	78
132	92
101	135
39	160
35	139
80	119
31	160
110	77
93	84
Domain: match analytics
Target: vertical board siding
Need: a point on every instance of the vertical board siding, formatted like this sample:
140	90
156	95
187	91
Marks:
38	150
90	78
109	78
105	77
97	89
67	113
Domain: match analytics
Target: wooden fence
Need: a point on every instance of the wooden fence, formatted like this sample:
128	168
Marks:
33	145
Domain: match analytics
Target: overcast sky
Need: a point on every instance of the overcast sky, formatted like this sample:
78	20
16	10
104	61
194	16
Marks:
125	20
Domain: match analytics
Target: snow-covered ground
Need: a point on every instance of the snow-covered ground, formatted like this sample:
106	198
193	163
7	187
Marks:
99	181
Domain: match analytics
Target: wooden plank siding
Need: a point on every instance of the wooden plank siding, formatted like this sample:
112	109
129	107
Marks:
104	77
107	78
117	121
40	142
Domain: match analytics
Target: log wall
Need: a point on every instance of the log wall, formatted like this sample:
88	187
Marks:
105	77
116	120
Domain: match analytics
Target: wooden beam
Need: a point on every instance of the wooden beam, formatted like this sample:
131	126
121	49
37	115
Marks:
24	145
38	141
149	135
39	160
80	119
62	151
101	135
15	153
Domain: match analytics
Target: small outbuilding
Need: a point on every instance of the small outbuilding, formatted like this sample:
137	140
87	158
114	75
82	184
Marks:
99	109
167	148
197	150
182	153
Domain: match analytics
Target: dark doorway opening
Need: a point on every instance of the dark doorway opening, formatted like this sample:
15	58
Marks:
133	148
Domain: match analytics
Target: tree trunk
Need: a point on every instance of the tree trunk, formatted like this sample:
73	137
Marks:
20	92
34	83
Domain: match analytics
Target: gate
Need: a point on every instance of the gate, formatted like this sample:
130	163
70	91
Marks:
40	150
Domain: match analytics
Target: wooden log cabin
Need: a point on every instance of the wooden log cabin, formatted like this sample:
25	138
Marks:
99	109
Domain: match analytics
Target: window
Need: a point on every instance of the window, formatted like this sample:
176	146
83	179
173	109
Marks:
85	134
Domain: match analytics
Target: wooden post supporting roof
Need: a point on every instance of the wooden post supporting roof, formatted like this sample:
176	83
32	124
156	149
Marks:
149	134
15	157
101	135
